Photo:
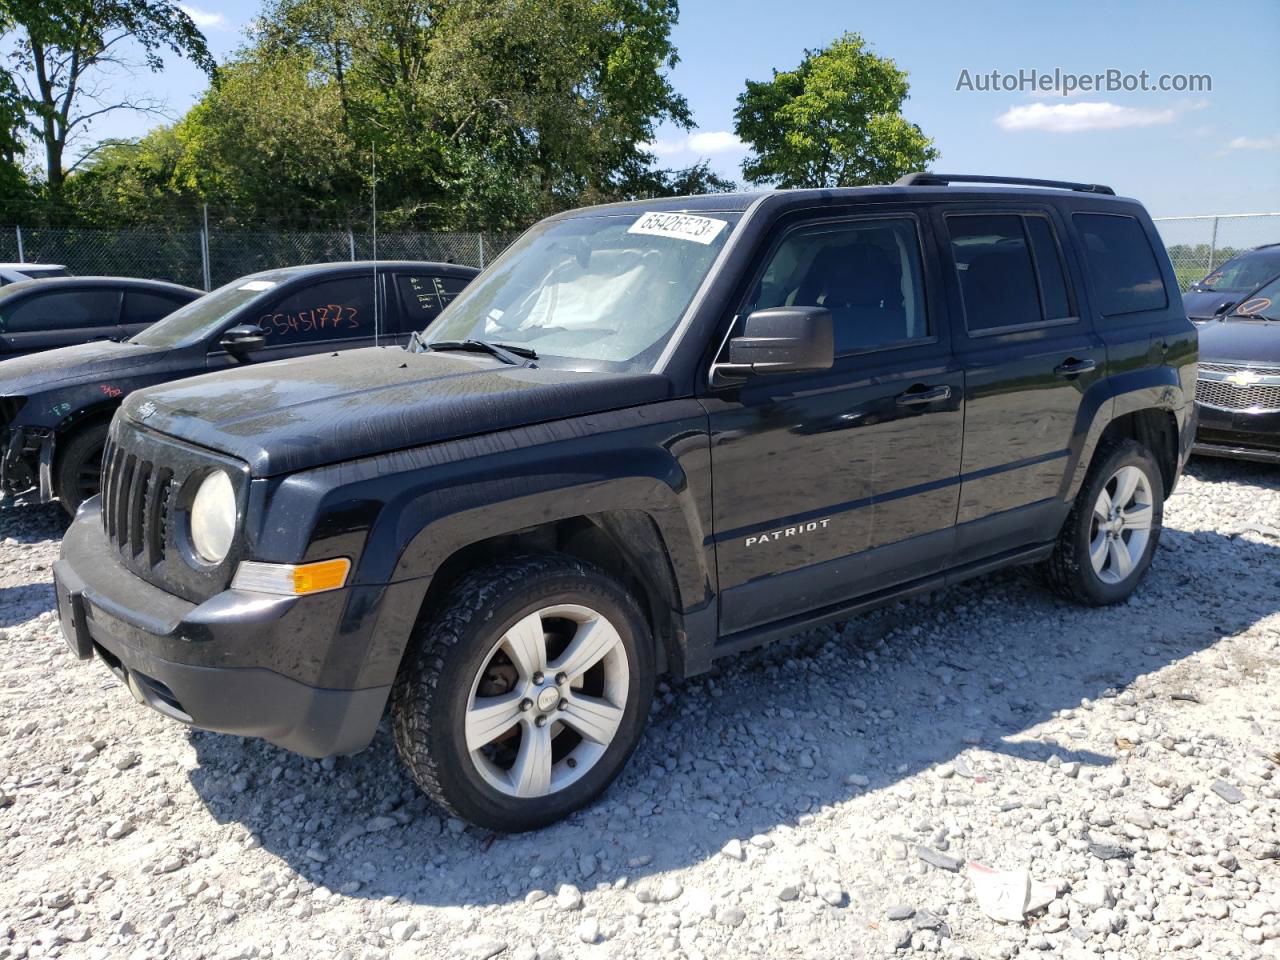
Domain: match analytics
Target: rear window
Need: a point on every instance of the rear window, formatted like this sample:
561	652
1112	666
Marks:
422	297
1126	275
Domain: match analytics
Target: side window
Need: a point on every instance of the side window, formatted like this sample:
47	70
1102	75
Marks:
339	309
997	276
422	297
1125	272
66	310
866	272
143	306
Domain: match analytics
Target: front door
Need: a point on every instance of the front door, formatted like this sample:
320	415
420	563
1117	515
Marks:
833	485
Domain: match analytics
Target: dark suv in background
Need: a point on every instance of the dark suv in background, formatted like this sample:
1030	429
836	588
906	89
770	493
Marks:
649	435
55	406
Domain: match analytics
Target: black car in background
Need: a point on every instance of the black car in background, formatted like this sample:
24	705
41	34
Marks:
1238	393
42	314
55	407
1222	289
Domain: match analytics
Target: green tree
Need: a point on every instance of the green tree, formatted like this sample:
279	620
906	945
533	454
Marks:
835	120
64	49
483	115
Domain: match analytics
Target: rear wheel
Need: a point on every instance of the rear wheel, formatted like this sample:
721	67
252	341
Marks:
525	696
1110	536
78	475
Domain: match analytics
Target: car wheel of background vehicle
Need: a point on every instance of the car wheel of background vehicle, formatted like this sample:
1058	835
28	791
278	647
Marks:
1111	534
79	471
523	698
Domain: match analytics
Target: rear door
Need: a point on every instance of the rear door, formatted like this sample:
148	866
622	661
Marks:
840	483
319	316
1029	358
421	297
144	307
42	320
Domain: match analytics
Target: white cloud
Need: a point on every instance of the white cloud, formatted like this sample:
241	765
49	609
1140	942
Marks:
1077	117
715	141
703	144
1254	143
205	19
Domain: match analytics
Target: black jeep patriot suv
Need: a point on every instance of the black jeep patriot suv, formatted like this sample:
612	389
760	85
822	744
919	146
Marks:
649	435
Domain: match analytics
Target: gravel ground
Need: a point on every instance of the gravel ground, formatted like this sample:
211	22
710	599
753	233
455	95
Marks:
824	797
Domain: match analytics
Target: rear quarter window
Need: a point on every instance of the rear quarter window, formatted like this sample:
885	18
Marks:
1126	274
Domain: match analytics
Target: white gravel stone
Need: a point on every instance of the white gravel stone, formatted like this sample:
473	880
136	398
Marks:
961	725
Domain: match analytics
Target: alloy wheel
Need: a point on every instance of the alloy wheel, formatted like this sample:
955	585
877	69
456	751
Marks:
1121	525
547	701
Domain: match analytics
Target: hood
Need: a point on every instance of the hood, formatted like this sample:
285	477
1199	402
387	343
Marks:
294	414
1204	304
1241	341
37	372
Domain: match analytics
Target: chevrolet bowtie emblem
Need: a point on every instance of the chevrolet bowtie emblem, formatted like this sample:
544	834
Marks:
1244	378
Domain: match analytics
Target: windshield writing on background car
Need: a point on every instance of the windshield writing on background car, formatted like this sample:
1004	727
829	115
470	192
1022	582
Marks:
1264	303
592	292
205	316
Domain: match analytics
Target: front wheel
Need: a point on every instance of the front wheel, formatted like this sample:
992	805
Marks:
523	698
79	471
1110	536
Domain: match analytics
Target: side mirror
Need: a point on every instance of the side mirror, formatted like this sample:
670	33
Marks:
781	340
1225	307
245	338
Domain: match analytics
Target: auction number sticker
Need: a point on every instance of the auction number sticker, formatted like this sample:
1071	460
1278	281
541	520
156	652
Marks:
680	226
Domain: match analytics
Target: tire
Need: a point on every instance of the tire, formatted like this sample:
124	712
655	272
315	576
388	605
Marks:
1125	543
499	625
79	469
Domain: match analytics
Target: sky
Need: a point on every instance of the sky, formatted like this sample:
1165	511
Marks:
1206	151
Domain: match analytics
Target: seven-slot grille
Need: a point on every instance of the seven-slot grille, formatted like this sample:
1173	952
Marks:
1217	389
136	504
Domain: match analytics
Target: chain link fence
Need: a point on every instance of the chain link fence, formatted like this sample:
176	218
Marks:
202	260
1197	245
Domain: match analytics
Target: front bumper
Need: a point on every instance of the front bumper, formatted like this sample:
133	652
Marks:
191	661
1238	434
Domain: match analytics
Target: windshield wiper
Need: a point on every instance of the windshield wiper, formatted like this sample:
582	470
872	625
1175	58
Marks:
517	356
417	342
1251	316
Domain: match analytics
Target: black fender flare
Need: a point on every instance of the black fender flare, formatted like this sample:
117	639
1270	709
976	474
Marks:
1149	388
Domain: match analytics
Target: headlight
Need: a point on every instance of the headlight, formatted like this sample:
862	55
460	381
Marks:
213	517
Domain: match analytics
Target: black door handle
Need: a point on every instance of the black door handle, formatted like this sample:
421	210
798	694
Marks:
916	398
1072	367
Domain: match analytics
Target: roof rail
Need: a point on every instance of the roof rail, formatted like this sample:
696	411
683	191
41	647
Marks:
927	179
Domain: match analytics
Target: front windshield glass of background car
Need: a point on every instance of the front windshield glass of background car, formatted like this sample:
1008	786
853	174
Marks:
1264	303
1242	273
198	319
591	292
